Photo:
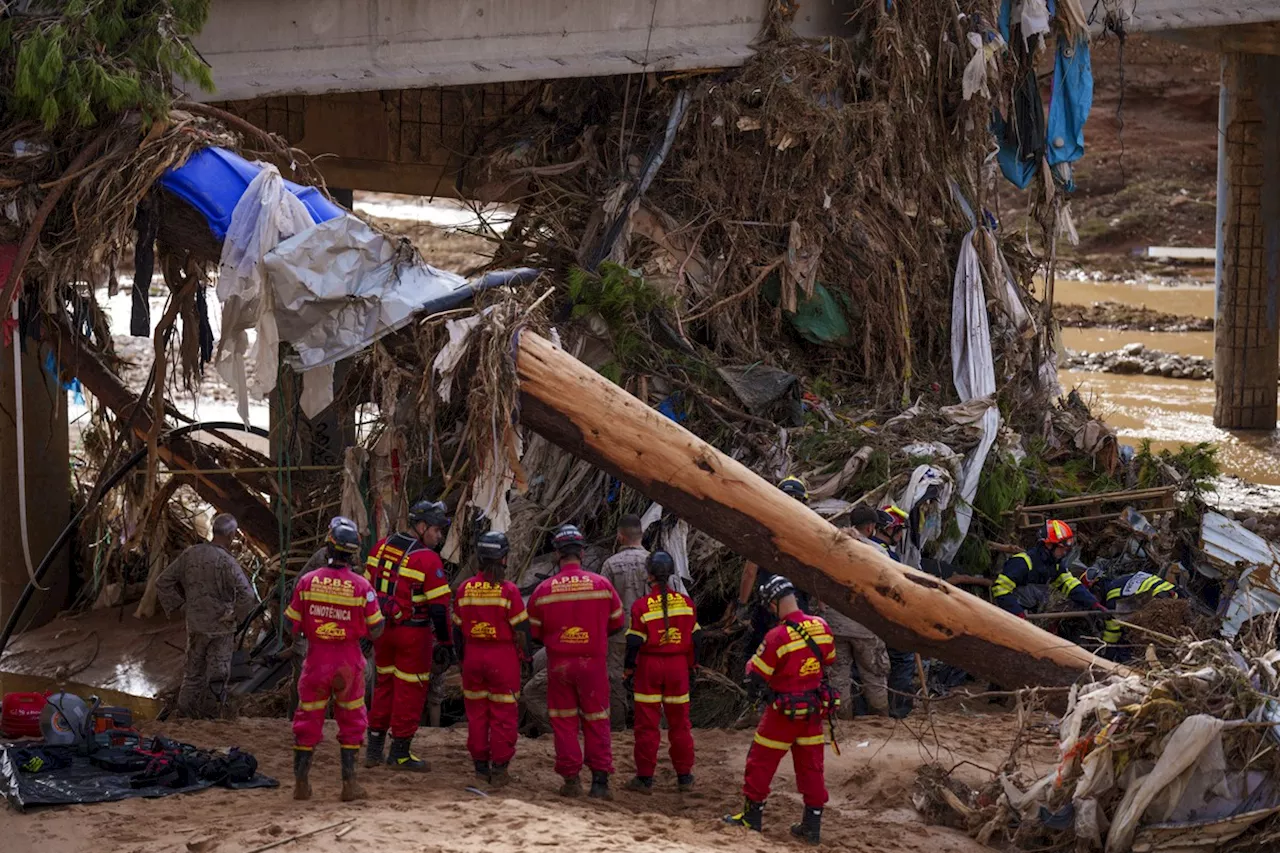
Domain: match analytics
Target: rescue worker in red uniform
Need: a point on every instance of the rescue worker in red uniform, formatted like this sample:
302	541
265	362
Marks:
573	612
491	635
333	608
662	653
789	672
413	593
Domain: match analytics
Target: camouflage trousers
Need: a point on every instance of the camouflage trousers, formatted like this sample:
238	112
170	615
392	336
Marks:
204	678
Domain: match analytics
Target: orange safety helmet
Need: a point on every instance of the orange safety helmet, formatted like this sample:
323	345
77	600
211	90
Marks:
1054	532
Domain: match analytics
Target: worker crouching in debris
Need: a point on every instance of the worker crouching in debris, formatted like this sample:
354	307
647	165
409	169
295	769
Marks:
662	653
332	610
790	672
491	636
1124	594
1022	583
413	594
573	613
209	583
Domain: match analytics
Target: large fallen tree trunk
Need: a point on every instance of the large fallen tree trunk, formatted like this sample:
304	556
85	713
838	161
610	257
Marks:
575	407
223	491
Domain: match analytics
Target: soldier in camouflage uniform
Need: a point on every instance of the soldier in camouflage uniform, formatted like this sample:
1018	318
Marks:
212	586
627	572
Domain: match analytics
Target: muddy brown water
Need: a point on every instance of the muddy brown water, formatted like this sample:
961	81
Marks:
1169	412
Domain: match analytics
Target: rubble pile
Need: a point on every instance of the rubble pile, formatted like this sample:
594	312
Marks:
1135	358
1179	754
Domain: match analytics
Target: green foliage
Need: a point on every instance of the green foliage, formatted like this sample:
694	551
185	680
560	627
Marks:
71	64
1195	464
622	298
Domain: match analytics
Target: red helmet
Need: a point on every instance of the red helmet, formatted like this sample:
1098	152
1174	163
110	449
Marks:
1054	532
892	518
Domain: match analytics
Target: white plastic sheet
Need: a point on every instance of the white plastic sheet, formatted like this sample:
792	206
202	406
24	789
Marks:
266	214
675	541
974	374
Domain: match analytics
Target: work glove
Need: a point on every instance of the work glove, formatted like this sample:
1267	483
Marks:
1101	608
442	655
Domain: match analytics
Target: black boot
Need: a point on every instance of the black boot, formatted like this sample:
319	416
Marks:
375	743
641	785
401	758
751	816
351	788
483	773
600	786
684	783
810	826
301	772
499	777
572	787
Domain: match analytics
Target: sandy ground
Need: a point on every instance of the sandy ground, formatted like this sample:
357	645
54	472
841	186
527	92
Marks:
869	810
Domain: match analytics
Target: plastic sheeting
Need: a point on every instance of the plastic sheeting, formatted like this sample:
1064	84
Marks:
1231	544
82	783
265	214
1070	102
973	372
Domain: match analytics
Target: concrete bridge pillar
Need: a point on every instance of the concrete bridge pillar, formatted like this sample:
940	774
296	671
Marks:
1247	334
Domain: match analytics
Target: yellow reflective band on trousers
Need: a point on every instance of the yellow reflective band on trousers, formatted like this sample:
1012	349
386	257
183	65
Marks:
411	677
504	698
771	744
384	670
810	740
352	705
1111	631
475	694
562	712
597	715
314	706
676	700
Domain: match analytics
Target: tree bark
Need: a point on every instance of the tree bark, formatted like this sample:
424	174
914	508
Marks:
576	408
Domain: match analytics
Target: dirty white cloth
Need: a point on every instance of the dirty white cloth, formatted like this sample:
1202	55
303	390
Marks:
1183	750
675	541
353	461
266	214
973	371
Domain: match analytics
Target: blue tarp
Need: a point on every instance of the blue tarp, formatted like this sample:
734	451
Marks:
1070	103
213	180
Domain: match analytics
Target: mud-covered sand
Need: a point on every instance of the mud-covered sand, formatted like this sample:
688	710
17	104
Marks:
869	811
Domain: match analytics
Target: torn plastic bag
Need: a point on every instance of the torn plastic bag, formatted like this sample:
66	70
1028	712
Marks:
758	385
846	475
818	319
1070	102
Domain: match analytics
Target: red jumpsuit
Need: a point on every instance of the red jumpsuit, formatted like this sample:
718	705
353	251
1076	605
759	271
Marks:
408	578
662	678
573	613
333	608
795	675
486	612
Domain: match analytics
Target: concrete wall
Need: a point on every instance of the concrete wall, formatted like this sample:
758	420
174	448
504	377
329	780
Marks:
48	485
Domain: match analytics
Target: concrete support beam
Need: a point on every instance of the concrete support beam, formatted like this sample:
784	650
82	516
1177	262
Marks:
1247	336
48	484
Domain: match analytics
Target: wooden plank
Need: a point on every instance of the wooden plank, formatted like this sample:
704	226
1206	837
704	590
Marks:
581	411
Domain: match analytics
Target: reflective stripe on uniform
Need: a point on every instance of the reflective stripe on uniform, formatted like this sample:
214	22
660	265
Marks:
1002	586
331	598
1111	631
759	664
412	574
617	614
648	698
672	611
352	705
384	670
290	613
373	619
504	698
1066	582
534	620
433	594
516	620
411	677
314	706
593	595
562	712
810	740
797	645
683	699
475	694
596	715
770	743
632	632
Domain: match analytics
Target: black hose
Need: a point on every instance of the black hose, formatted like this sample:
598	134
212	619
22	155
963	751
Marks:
12	624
